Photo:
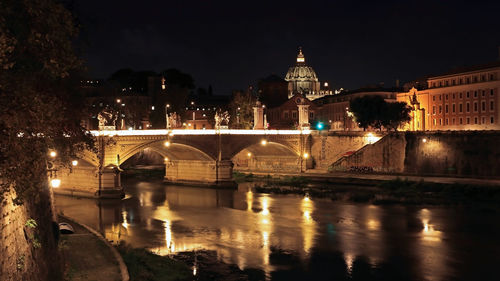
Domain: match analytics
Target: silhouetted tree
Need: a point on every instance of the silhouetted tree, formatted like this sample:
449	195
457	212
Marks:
373	111
241	107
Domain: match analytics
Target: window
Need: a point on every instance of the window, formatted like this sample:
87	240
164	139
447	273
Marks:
483	120
483	106
491	92
440	121
453	108
460	120
294	114
311	115
434	122
461	80
453	82
467	95
453	95
475	120
467	107
285	115
468	120
439	97
460	108
475	79
446	83
440	109
468	80
492	120
492	105
446	96
453	121
491	76
460	95
433	98
446	121
475	94
433	109
446	108
475	106
483	78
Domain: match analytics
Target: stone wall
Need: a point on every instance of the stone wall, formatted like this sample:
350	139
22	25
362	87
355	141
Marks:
328	147
195	171
21	257
385	155
456	153
463	153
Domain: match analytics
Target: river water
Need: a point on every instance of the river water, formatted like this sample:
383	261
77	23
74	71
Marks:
292	237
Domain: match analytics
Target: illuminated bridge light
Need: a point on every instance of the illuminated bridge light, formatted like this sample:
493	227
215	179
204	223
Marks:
197	132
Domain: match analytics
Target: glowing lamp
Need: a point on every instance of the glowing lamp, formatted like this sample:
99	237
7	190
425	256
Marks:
320	126
249	154
74	162
306	155
53	154
166	159
263	142
424	140
55	183
167	143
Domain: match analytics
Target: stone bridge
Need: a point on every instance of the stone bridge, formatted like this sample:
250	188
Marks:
190	156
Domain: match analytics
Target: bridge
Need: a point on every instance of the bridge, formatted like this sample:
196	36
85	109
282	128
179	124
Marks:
190	156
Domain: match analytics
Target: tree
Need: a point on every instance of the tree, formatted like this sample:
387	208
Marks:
241	107
374	111
367	111
38	107
396	114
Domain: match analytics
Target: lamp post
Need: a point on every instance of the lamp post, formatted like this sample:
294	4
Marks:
167	123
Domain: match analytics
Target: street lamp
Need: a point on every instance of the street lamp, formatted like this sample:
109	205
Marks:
167	123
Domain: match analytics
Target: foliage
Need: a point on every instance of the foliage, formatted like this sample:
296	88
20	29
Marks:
373	111
31	223
241	108
38	109
143	265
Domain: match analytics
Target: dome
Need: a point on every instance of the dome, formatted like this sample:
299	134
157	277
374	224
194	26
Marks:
301	72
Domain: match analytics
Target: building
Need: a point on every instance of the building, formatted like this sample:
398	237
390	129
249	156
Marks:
286	116
463	99
334	109
302	79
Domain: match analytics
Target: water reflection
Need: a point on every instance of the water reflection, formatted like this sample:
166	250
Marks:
296	237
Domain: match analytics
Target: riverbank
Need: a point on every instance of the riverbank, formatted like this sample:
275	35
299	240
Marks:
87	257
390	190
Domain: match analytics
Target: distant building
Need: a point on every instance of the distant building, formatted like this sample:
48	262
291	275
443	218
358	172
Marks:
286	116
334	110
302	79
463	99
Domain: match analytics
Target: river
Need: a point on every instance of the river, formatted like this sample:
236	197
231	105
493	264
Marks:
290	237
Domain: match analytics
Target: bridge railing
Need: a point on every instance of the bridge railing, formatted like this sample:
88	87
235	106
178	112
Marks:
197	132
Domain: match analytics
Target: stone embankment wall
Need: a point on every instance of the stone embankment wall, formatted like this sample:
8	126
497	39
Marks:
458	153
27	252
329	147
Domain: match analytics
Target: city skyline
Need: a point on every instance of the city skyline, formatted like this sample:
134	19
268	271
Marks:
231	47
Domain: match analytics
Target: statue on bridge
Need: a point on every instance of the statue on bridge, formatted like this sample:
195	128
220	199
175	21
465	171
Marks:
107	119
174	120
221	120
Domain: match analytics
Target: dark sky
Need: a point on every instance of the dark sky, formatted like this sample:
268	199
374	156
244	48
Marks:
232	44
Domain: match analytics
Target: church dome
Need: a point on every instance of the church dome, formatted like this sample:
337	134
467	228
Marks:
301	72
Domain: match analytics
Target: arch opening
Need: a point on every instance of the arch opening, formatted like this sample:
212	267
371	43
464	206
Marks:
268	157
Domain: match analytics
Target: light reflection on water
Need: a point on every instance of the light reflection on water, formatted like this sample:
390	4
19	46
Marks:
292	237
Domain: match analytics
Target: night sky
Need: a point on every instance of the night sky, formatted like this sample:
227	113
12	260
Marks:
232	44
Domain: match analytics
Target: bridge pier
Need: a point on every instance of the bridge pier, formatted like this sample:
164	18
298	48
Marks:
199	172
88	181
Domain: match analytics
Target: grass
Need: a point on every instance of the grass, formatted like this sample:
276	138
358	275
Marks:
146	266
396	191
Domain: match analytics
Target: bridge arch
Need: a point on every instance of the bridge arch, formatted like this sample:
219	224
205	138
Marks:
268	156
174	151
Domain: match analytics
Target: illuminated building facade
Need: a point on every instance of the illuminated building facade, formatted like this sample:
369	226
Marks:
302	79
465	99
286	116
